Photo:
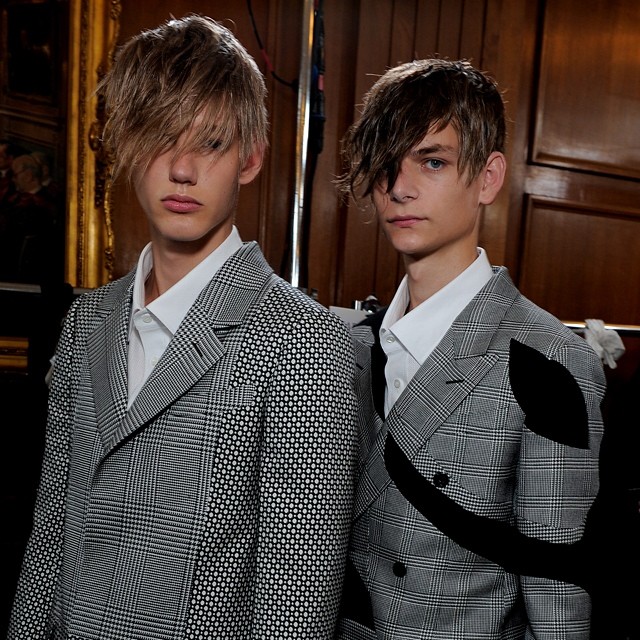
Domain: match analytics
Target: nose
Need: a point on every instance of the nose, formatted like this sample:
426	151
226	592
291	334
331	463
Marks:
403	189
183	169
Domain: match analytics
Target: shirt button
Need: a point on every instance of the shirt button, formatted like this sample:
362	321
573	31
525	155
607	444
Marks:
154	361
397	384
390	339
146	318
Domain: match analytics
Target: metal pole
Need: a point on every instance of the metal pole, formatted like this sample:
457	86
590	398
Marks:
302	138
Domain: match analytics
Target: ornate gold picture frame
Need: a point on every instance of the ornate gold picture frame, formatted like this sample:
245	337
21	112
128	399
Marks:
93	29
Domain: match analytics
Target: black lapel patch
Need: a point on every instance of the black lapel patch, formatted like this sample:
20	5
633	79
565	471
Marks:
549	396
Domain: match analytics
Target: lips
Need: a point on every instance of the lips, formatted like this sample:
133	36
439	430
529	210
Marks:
403	222
180	204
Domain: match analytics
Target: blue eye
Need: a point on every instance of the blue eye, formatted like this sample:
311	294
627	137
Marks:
434	163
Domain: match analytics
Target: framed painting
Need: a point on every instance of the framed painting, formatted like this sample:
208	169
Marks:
32	49
55	114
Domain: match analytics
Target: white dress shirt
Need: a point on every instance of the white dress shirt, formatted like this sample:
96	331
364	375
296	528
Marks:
408	338
152	326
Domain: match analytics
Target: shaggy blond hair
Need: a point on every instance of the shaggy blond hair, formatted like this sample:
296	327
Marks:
163	79
411	100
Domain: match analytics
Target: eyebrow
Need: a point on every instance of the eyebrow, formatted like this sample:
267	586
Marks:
436	148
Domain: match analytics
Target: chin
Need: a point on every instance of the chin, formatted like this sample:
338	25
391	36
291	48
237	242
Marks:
409	249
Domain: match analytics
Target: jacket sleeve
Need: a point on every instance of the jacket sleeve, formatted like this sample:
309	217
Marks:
557	478
36	587
306	482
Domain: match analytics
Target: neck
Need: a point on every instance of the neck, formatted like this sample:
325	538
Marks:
427	275
151	289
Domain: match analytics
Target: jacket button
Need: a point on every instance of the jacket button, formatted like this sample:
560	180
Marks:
399	569
440	479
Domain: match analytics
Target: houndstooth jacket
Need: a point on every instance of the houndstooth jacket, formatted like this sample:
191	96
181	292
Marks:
218	505
471	507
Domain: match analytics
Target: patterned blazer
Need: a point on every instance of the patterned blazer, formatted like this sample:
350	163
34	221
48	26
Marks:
473	495
218	505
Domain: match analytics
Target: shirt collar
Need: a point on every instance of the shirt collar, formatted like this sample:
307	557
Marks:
421	329
172	306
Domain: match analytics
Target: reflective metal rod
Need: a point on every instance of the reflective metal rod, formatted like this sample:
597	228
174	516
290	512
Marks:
302	137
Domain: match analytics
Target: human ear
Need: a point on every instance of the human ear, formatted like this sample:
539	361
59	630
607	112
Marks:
493	177
252	165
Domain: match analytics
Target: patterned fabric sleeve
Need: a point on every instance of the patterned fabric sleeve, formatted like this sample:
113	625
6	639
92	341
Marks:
41	564
558	476
306	482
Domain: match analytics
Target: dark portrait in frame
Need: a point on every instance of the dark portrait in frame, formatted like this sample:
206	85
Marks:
32	50
33	123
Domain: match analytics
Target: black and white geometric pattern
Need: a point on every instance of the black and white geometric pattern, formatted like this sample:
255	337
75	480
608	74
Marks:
218	506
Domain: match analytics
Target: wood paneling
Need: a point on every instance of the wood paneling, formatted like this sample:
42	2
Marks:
588	112
365	258
574	230
274	189
572	262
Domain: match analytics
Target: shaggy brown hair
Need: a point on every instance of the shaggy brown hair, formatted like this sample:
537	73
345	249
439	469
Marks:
411	100
163	79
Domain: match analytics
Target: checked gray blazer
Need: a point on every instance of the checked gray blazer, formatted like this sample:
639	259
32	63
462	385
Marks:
218	505
473	496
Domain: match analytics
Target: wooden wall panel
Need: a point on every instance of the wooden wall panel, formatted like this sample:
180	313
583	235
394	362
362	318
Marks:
509	47
273	192
363	254
577	260
426	28
328	217
573	246
588	113
472	32
449	35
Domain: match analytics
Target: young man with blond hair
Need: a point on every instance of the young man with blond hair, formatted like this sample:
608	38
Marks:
198	471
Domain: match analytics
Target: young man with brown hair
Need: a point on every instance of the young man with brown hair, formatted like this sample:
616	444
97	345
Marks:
479	410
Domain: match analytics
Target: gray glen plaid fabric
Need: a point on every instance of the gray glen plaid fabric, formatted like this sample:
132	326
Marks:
471	506
217	506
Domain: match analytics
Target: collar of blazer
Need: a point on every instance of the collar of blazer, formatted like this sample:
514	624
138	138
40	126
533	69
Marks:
452	370
229	298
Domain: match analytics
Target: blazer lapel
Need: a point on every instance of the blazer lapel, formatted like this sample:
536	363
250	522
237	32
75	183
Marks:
196	347
369	415
107	354
448	375
437	389
193	350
